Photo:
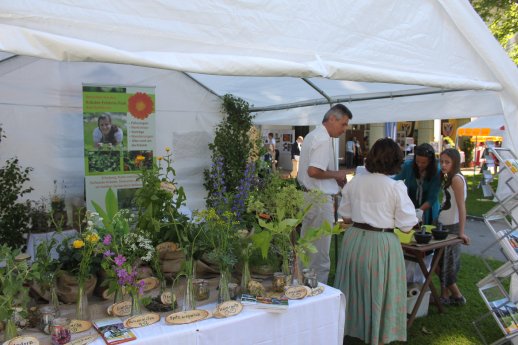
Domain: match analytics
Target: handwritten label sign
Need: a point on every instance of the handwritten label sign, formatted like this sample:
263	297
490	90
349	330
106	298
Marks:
83	340
142	320
317	291
150	283
167	297
185	317
78	326
296	292
23	340
228	308
121	309
167	247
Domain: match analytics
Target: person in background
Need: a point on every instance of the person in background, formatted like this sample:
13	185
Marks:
453	217
357	152
371	269
317	171
422	178
106	132
349	153
270	148
295	156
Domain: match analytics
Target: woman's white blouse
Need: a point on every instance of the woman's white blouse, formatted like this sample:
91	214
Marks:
379	201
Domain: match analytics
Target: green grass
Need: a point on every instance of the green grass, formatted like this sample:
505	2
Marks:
476	204
456	325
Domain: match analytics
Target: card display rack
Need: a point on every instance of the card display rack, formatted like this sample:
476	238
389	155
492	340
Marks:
497	288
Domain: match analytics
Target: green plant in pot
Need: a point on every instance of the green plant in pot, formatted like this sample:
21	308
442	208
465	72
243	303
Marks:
279	220
14	295
14	215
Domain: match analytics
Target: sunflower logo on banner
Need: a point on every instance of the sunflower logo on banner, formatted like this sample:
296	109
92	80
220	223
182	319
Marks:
407	128
447	129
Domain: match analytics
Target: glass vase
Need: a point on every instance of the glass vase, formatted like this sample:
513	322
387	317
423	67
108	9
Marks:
118	296
189	300
82	309
296	274
245	276
224	279
10	330
136	306
54	300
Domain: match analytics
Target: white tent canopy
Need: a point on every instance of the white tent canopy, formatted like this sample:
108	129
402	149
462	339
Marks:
413	60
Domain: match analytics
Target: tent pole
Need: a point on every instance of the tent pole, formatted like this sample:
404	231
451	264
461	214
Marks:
475	163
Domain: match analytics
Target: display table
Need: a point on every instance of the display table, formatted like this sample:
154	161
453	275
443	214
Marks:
312	320
417	252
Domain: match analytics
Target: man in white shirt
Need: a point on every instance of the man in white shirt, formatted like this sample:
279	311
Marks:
317	171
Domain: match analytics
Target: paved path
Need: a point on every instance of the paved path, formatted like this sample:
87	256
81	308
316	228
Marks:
481	238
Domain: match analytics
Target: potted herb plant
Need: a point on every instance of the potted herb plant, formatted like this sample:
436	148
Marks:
14	296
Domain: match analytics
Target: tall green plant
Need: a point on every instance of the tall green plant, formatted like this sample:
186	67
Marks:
234	143
14	215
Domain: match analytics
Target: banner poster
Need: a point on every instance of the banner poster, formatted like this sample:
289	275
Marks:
284	138
119	139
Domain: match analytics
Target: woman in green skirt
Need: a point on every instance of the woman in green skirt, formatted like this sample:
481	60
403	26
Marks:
371	269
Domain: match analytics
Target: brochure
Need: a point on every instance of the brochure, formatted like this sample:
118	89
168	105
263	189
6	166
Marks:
268	303
505	311
113	331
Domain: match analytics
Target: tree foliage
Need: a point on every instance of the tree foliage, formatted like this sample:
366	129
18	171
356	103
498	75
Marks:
501	16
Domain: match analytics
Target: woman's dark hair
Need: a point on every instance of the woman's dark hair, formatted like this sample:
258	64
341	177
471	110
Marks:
385	157
426	150
455	158
110	138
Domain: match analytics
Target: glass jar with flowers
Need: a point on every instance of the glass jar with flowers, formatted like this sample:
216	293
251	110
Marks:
45	269
123	252
14	296
221	236
89	245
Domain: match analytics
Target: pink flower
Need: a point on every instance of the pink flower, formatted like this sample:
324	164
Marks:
119	260
108	253
107	240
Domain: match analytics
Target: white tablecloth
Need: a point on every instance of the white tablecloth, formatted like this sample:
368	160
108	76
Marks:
313	320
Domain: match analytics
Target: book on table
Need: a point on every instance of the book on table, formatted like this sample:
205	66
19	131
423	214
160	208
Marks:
268	303
113	331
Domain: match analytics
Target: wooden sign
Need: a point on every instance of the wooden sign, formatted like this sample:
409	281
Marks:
167	247
22	257
167	297
78	326
142	320
296	292
83	340
150	283
317	291
185	317
23	340
121	309
228	308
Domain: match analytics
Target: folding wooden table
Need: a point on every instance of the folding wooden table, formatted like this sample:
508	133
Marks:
416	252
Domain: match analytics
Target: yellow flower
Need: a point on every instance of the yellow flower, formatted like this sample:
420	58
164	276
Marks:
140	158
167	149
78	244
159	158
92	238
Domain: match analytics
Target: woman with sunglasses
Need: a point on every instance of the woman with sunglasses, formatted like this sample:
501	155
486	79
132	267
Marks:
422	178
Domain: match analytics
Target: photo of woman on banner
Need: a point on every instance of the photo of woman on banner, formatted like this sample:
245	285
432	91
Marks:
106	132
